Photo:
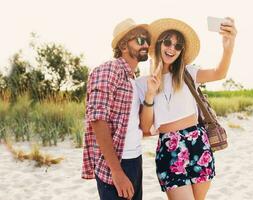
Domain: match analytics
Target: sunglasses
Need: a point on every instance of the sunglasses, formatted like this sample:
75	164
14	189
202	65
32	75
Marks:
141	40
168	43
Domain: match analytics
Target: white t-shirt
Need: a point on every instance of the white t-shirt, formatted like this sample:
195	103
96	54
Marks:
170	106
132	147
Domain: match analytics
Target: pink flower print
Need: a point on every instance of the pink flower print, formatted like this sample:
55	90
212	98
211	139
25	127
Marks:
173	187
204	176
158	145
200	179
205	139
173	143
161	182
205	159
206	172
193	135
184	155
178	167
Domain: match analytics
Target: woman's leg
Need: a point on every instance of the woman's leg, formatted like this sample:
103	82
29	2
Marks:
181	193
200	190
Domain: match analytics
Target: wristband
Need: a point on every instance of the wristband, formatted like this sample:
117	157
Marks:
148	104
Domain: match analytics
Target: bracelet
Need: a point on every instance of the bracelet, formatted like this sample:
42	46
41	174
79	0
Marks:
148	104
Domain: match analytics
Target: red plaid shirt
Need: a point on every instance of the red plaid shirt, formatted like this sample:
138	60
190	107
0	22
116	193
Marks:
109	98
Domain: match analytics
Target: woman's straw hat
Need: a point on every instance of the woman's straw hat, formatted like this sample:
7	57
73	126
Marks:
192	43
123	28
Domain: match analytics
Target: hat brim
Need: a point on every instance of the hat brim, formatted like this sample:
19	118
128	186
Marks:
192	43
123	33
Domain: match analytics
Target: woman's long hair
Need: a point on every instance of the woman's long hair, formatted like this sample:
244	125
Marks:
177	67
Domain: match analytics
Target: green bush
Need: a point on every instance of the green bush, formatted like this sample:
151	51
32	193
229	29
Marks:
225	105
4	108
238	93
20	118
56	121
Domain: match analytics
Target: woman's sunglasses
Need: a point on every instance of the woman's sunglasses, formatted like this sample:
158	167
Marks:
168	43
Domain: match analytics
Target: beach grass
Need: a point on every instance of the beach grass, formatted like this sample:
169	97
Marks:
44	122
49	122
226	105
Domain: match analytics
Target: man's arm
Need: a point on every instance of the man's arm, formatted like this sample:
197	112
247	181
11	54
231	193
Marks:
104	139
105	142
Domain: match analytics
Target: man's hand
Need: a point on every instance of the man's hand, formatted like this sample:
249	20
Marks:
123	184
105	142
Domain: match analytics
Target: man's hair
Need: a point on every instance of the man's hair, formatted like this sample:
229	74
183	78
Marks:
129	36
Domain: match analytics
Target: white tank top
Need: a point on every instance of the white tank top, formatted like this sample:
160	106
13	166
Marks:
170	106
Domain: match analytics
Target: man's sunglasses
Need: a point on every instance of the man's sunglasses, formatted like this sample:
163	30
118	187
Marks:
141	40
168	43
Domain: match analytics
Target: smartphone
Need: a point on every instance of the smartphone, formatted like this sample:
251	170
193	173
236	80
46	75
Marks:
214	23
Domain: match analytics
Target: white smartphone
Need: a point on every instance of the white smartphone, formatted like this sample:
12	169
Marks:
214	23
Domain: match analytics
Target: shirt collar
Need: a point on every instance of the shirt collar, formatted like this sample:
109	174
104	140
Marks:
127	68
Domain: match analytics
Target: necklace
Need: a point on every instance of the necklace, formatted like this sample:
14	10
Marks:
167	100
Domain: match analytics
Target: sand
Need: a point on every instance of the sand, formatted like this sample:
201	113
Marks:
22	180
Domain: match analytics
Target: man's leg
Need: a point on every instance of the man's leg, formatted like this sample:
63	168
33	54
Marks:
133	170
106	191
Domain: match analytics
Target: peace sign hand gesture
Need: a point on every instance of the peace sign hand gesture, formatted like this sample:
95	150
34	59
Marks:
154	81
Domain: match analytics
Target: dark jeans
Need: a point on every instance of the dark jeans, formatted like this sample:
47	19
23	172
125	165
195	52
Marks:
133	170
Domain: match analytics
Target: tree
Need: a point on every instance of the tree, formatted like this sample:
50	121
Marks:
18	80
39	88
79	77
65	70
3	87
57	73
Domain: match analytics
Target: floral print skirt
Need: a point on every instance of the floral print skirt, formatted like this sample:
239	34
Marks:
184	157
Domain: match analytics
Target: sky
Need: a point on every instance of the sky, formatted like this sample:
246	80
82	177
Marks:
85	27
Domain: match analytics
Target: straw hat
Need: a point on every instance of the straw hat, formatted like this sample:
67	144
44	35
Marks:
123	28
192	43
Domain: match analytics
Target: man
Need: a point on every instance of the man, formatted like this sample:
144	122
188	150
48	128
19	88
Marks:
112	142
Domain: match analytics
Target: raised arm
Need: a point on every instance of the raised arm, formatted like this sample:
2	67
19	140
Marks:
228	32
147	111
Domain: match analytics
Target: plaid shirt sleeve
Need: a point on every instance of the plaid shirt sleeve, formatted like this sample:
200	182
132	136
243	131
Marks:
101	86
108	94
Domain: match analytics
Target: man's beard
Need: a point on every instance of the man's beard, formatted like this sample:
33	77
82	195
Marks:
136	54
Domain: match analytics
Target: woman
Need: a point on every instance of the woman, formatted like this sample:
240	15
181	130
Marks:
184	160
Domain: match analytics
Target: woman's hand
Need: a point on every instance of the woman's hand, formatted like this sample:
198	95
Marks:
228	31
154	81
